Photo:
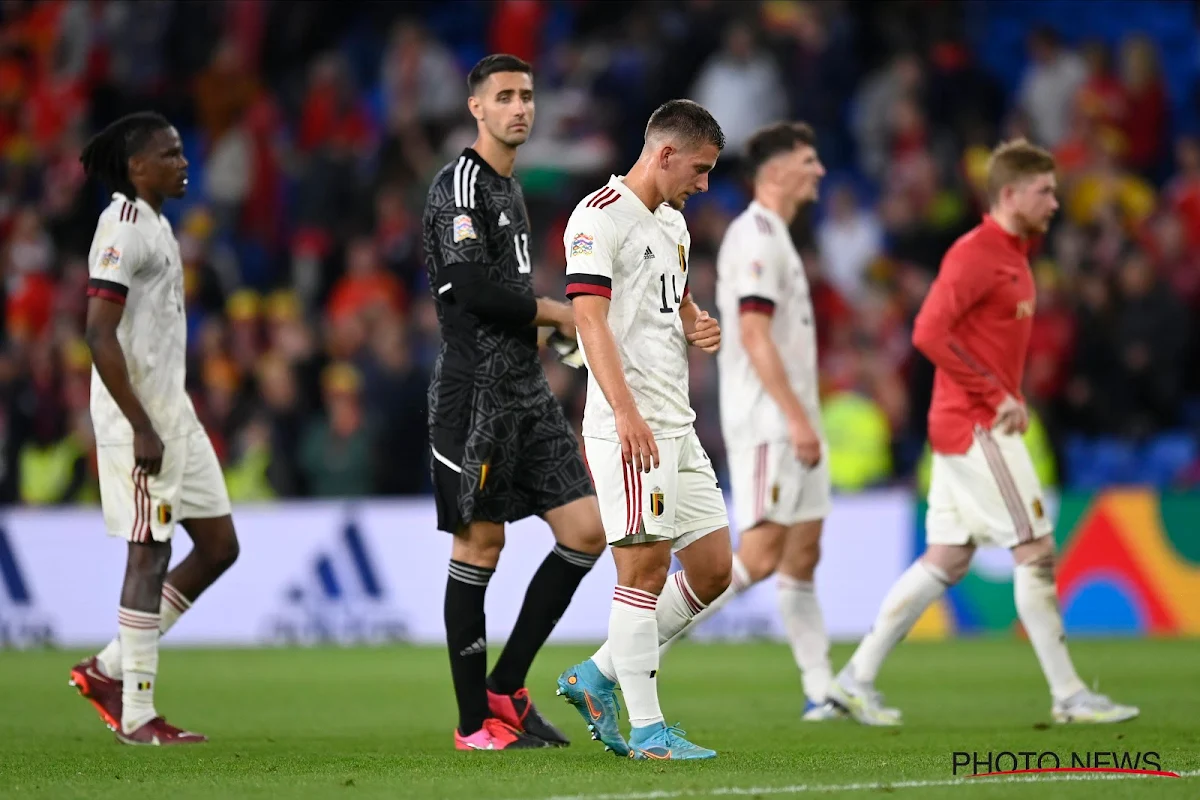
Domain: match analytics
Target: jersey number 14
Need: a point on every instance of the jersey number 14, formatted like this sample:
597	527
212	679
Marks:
667	308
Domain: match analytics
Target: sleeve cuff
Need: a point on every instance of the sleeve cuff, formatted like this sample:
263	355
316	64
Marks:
756	304
578	284
107	290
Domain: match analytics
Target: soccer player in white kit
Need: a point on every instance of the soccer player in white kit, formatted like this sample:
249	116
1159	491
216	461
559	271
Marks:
157	466
627	262
770	409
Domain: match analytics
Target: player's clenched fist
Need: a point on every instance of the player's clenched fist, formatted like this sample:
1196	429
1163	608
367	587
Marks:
707	334
637	442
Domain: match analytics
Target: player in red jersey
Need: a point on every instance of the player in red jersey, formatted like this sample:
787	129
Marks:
974	326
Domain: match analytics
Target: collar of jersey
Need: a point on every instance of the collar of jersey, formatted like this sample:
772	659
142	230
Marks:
617	183
771	214
471	155
142	204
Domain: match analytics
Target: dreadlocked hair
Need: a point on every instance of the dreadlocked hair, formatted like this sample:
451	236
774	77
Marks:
106	155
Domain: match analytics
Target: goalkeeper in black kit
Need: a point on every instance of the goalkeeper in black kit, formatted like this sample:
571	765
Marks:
502	449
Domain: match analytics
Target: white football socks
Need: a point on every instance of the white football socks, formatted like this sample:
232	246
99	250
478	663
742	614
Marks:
633	642
678	607
171	607
739	581
139	665
805	629
1037	606
903	605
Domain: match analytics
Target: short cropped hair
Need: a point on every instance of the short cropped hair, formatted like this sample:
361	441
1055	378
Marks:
776	139
490	65
687	122
1014	161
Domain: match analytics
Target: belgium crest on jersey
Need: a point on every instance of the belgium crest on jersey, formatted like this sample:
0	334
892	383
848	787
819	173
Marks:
657	502
682	260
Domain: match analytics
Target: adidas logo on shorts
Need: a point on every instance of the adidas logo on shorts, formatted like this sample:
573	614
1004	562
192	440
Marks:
649	254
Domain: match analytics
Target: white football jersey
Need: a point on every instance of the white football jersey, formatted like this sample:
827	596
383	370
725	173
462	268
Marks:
759	269
618	248
135	261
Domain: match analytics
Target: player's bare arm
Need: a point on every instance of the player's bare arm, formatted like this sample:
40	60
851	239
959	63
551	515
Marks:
700	329
103	316
637	442
768	364
555	314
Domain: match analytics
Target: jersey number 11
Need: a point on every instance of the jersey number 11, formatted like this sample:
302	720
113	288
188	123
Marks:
521	246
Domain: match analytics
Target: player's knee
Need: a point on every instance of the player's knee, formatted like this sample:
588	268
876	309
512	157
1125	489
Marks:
802	559
1043	562
226	552
710	584
644	574
148	559
479	544
759	563
586	538
947	568
215	541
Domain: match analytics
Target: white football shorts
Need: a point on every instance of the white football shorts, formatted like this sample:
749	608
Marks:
989	495
679	501
771	485
139	507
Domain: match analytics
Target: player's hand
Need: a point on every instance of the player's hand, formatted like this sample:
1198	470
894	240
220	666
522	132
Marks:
637	442
706	335
805	442
1011	416
147	450
567	329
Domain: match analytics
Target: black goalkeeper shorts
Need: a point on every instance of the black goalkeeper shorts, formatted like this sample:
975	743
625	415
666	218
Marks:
507	467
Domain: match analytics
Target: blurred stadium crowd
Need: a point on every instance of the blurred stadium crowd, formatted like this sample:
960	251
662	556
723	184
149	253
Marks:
313	128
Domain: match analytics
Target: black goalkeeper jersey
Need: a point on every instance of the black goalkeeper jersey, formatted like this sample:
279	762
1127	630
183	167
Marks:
474	215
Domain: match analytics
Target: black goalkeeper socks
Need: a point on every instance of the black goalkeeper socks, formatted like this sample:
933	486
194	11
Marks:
546	600
466	639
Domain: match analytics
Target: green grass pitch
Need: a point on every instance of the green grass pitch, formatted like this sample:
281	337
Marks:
376	723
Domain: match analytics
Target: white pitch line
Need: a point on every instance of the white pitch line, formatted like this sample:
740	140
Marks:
805	788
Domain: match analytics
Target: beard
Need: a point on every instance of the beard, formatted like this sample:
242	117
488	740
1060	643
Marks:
515	139
1034	226
510	138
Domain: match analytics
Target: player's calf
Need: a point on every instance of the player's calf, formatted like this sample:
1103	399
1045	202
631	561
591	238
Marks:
215	549
138	621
